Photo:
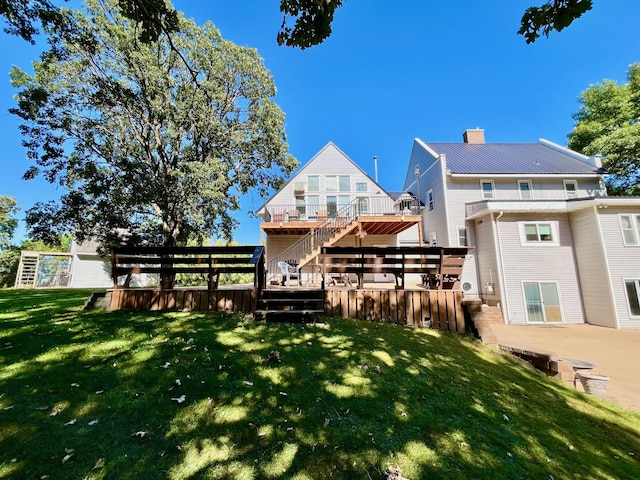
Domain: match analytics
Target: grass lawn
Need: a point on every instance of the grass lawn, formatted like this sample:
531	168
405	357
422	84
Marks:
184	395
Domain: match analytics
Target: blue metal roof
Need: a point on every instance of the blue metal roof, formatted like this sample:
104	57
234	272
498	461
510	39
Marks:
511	158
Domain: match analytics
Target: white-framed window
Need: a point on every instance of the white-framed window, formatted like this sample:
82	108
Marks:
571	188
538	233
361	187
313	183
463	237
525	189
542	301
344	183
487	187
630	225
433	239
430	204
331	183
632	288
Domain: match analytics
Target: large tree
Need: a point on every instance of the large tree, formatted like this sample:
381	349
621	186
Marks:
147	136
608	123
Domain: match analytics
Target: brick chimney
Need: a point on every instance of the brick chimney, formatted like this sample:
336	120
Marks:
473	136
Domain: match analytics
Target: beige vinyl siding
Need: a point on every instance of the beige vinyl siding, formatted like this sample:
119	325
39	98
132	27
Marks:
276	244
592	269
624	262
91	271
539	263
506	188
487	264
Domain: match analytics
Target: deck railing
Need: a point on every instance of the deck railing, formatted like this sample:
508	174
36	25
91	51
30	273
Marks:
372	206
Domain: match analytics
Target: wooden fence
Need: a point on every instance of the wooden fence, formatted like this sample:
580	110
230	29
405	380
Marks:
441	309
231	300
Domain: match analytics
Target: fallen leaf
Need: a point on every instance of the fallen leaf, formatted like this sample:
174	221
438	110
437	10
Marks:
509	454
75	385
327	421
99	392
284	393
166	365
43	408
178	382
140	434
506	419
67	457
99	464
180	399
246	382
70	422
92	423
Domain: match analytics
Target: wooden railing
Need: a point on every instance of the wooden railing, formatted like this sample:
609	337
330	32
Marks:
167	262
439	267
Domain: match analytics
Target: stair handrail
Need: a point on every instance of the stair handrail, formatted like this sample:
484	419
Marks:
314	238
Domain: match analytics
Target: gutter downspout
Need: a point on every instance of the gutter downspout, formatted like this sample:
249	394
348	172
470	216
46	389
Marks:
503	284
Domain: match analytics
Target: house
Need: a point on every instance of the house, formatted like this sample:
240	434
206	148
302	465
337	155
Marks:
331	201
550	245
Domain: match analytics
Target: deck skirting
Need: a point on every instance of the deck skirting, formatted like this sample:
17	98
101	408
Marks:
441	309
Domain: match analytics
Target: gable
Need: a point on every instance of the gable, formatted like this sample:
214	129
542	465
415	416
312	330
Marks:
330	161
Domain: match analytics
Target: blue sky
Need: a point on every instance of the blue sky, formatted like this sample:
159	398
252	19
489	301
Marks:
387	75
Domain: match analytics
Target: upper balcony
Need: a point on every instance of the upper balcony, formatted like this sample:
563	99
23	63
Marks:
376	209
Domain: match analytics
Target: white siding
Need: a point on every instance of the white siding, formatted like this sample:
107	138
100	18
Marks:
487	264
539	263
624	262
329	161
592	269
91	271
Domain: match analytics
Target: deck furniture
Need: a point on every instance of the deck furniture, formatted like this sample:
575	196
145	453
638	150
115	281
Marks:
288	272
293	215
440	267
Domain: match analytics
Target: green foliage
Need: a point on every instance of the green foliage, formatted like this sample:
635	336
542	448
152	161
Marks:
608	123
312	24
23	16
8	222
10	257
553	15
175	395
163	134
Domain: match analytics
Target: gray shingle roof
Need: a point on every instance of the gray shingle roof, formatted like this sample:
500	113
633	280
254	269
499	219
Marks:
511	158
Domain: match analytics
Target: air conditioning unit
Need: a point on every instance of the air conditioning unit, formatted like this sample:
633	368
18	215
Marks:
298	187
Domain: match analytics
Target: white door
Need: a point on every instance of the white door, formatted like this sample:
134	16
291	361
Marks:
543	302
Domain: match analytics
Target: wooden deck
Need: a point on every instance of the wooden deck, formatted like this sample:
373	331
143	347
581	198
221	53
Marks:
418	307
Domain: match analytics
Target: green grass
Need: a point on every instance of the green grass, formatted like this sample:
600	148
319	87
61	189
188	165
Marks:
347	400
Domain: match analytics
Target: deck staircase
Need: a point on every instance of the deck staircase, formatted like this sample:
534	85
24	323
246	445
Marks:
27	270
309	246
302	305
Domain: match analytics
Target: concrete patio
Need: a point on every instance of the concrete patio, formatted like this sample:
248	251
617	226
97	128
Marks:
616	353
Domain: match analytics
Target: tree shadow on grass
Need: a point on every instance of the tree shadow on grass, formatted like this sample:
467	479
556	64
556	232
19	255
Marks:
177	395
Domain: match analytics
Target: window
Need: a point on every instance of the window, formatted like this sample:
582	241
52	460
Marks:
313	183
542	233
463	237
571	188
430	200
344	183
633	296
487	189
630	225
301	206
313	205
331	184
524	187
361	187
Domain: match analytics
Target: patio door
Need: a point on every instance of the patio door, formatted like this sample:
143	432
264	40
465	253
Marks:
543	302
